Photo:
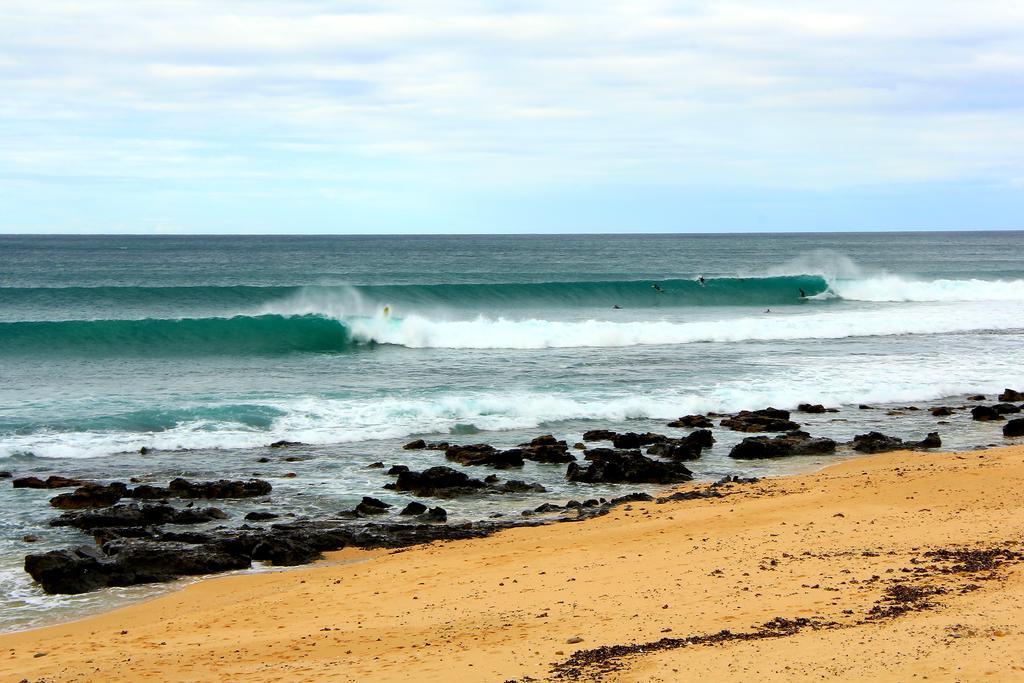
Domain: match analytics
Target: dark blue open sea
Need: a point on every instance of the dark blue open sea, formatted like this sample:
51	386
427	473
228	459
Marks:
207	349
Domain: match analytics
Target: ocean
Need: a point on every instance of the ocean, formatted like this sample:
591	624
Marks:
207	349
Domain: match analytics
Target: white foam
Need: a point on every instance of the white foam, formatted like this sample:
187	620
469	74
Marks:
893	288
415	331
316	420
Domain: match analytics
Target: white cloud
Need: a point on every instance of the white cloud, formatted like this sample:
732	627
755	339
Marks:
756	94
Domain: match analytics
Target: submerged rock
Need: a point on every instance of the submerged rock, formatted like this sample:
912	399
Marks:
484	454
941	411
1014	427
260	516
686	448
52	482
286	444
985	414
633	440
690	421
372	506
223	488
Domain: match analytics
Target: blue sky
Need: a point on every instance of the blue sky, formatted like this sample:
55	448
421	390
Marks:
516	116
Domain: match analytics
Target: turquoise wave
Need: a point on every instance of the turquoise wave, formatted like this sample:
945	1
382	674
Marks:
264	334
765	291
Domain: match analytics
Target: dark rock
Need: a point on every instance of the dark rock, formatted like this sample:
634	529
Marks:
260	516
145	450
90	496
941	411
440	482
876	442
516	486
638	497
435	515
4	474
794	443
413	508
1014	427
545	440
133	515
1006	408
865	406
976	397
438	445
1011	395
689	421
375	466
688	447
51	482
627	466
223	488
547	507
985	414
633	440
598	435
766	420
398	469
416	445
595	453
484	454
547	453
930	441
286	444
579	446
263	459
811	408
372	506
126	563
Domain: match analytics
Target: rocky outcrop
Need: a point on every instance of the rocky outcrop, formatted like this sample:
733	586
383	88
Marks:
415	445
546	449
941	411
413	508
439	482
811	408
598	435
617	466
223	488
133	515
52	482
766	420
260	516
126	563
793	443
687	448
90	496
1006	408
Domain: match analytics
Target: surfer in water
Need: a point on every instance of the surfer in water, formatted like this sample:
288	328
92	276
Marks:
803	294
657	289
387	311
700	280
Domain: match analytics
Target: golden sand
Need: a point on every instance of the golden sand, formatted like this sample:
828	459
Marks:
827	548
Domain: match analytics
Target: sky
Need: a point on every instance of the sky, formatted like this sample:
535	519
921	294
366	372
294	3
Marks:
448	116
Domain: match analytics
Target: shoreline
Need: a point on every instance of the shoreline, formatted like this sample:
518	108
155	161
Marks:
846	538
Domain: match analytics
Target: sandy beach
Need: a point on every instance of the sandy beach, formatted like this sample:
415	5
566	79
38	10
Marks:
899	566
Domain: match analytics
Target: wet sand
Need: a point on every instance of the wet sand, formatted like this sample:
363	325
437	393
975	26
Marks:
899	566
